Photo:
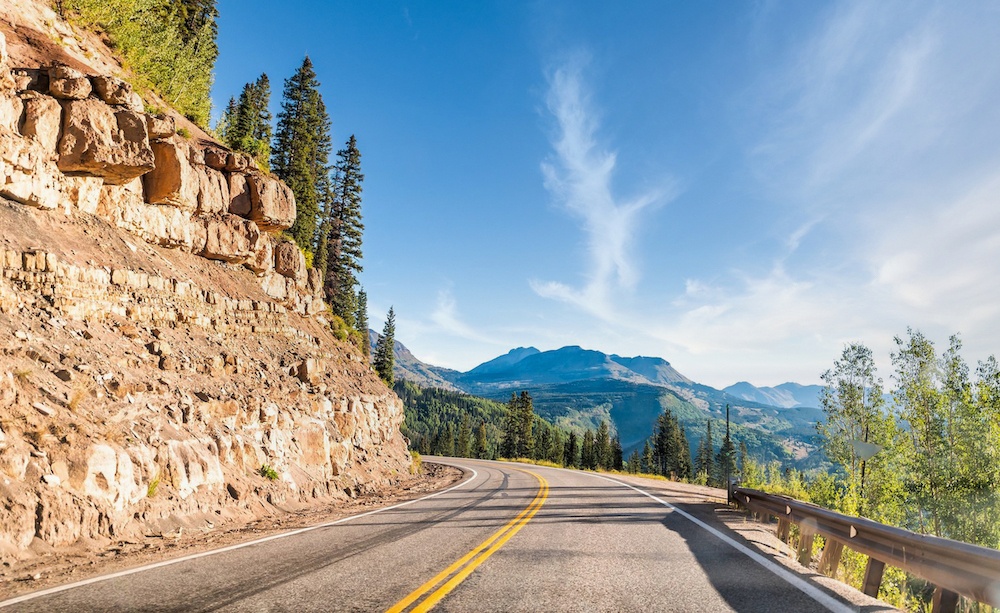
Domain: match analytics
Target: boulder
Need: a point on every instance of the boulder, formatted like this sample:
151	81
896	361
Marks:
160	127
30	79
262	260
238	162
68	83
27	173
240	202
42	118
6	79
272	203
216	158
289	261
114	91
229	238
213	192
11	112
103	142
172	180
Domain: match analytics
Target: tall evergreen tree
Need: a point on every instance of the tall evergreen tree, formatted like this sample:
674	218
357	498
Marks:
384	358
361	319
588	457
344	231
725	461
463	444
705	461
481	443
617	459
246	124
571	456
302	149
602	446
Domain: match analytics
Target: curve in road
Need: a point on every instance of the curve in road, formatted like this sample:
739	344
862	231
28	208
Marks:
508	539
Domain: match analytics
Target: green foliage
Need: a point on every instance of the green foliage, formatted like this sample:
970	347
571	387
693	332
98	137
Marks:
302	145
416	464
670	452
344	332
153	486
361	318
938	467
246	123
168	45
384	356
341	231
183	132
266	471
519	440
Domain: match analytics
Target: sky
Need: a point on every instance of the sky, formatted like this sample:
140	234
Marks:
740	188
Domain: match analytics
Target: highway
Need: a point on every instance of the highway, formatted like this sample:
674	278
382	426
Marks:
509	537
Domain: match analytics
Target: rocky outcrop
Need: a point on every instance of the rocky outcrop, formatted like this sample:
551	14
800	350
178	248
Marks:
83	143
138	403
144	388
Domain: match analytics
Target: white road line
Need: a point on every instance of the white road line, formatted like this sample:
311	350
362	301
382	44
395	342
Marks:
802	585
204	554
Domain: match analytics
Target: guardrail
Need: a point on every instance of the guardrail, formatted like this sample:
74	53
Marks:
954	568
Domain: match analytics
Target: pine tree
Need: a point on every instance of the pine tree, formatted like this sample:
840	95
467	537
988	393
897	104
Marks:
617	459
571	455
481	443
384	358
633	462
344	230
725	461
302	149
463	445
588	458
246	124
602	446
648	462
704	463
361	319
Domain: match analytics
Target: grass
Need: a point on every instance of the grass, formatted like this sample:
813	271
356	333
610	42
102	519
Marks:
153	485
23	375
268	472
76	397
183	132
416	464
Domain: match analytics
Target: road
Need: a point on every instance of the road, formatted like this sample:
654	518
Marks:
507	538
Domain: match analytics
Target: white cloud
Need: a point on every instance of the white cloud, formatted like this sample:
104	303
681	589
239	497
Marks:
580	177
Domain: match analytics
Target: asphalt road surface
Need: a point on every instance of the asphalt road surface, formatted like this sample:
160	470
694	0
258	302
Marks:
507	538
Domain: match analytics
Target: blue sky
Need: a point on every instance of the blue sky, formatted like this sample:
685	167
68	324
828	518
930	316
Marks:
741	188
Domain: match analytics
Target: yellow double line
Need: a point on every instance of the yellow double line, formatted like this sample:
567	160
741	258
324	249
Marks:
464	566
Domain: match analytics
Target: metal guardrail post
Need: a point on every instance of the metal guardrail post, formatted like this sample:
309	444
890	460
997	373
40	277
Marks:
873	577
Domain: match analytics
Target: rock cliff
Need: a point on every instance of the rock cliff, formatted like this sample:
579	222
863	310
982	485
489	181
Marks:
164	361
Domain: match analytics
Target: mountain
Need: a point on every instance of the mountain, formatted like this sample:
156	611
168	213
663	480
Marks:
578	388
531	367
407	367
786	395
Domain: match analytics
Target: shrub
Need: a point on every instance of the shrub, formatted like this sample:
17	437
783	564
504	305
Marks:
158	47
416	464
268	472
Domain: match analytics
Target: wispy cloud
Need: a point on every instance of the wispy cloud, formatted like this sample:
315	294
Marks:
448	321
579	176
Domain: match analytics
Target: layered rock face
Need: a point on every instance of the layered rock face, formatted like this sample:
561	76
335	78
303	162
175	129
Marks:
174	381
74	142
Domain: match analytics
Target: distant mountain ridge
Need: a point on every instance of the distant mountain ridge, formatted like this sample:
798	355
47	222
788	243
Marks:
786	395
578	388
